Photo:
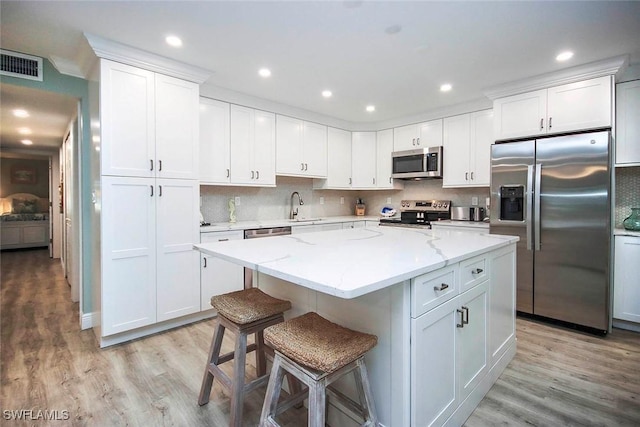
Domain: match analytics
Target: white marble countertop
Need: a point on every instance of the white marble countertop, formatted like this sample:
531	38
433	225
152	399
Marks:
248	225
353	262
625	232
469	224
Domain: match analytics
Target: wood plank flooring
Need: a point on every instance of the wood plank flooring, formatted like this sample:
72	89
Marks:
559	377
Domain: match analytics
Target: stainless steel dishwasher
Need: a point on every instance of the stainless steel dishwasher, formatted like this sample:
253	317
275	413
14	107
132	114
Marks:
258	233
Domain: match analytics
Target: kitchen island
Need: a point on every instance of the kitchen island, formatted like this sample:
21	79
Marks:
442	304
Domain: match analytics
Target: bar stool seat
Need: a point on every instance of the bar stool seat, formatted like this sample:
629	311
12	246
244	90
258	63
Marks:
317	352
244	312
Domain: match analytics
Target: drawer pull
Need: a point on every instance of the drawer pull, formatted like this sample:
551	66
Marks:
460	325
465	315
442	287
477	271
223	240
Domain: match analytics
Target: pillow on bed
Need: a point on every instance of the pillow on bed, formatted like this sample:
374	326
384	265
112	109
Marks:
19	206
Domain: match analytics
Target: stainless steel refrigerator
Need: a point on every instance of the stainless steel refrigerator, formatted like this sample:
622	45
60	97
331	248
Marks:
555	194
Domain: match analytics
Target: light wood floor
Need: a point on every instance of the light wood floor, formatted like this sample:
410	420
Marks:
558	377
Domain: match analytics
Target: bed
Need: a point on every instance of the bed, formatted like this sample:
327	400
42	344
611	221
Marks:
24	221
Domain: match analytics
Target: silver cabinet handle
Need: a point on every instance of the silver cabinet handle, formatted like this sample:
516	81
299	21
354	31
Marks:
151	190
301	166
205	262
471	176
550	119
151	161
466	176
350	181
390	180
228	171
223	240
477	271
253	175
413	141
306	166
465	319
417	141
159	165
461	324
160	192
374	181
542	124
442	287
257	174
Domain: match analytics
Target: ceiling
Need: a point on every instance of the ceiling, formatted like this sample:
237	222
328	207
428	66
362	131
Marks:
392	54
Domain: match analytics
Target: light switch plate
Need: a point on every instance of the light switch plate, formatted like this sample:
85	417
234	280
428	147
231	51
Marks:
474	201
342	200
388	200
488	201
321	200
237	200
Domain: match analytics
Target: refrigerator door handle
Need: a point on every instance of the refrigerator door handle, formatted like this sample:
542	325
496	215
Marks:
536	217
529	217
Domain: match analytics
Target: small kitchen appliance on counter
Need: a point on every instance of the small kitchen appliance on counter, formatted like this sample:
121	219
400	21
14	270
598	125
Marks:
420	213
467	213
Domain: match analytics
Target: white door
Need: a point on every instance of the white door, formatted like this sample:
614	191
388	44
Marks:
430	134
456	154
178	265
127	117
242	145
363	167
128	240
218	276
214	142
404	137
626	294
289	146
339	158
520	115
264	148
314	150
177	129
628	122
384	148
502	321
480	150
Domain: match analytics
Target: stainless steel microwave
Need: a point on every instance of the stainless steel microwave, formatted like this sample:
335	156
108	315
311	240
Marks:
417	164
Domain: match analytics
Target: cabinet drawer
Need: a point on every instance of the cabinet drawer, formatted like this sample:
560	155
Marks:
219	236
432	289
473	272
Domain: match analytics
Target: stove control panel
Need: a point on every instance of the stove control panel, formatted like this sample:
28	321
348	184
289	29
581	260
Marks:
425	205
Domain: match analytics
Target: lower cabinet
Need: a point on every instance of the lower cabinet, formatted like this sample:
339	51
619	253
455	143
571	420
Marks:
218	276
311	228
626	286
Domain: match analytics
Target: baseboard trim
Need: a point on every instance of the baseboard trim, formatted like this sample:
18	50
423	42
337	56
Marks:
624	324
86	321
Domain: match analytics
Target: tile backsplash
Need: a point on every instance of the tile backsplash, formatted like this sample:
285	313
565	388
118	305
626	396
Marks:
627	192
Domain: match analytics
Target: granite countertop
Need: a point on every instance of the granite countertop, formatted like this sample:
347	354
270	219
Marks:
625	232
353	262
248	225
470	224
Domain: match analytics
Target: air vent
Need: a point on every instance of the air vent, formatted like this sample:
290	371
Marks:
20	65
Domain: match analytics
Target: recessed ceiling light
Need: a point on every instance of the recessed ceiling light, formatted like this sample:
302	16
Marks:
564	56
24	131
264	72
20	113
27	142
445	87
327	93
371	108
174	41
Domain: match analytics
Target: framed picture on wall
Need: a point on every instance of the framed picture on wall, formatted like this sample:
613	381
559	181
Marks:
23	175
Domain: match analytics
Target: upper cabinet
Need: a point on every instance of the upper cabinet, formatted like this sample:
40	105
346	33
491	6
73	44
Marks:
301	148
467	149
253	147
421	135
363	155
628	123
384	148
570	107
149	123
339	160
215	146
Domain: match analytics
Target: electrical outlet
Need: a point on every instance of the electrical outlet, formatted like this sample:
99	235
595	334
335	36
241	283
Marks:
474	201
388	200
237	200
342	200
321	200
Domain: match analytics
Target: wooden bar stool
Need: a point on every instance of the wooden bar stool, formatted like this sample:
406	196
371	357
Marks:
244	312
317	352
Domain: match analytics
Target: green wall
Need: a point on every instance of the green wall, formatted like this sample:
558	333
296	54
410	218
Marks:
53	81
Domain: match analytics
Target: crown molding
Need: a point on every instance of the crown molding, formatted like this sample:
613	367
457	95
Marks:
108	49
606	67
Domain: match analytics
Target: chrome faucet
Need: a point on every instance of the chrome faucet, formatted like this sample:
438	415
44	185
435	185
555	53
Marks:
294	212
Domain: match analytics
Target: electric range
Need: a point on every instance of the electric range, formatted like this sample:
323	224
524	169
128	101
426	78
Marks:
420	213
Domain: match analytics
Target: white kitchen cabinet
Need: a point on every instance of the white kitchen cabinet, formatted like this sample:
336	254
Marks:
253	138
354	224
466	226
149	273
570	107
363	167
312	228
626	286
301	148
628	123
384	148
502	300
467	149
421	135
339	160
218	276
149	123
215	145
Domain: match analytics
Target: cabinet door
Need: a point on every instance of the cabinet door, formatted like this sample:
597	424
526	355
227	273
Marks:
177	144
177	230
581	105
339	158
214	142
128	241
472	340
242	130
127	116
384	148
456	156
289	146
218	276
626	294
430	134
264	148
363	165
434	371
314	150
404	137
480	149
628	122
520	115
502	299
